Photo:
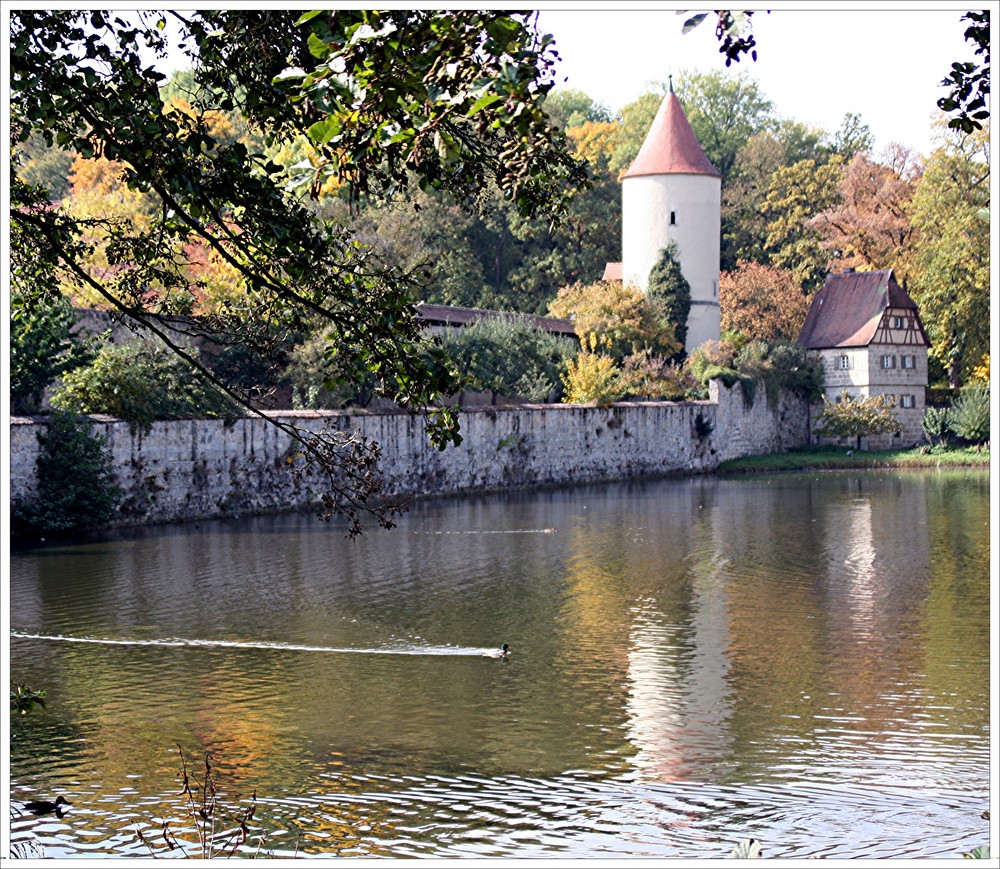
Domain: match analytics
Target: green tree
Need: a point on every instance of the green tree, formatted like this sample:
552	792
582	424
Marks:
316	381
142	382
510	357
75	482
744	227
969	417
853	137
432	240
857	417
472	116
42	348
577	250
670	293
636	119
569	107
936	424
950	268
724	111
795	195
970	80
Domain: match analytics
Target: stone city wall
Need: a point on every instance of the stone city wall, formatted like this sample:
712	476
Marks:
190	469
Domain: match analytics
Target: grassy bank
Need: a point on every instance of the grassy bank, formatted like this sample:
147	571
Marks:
834	458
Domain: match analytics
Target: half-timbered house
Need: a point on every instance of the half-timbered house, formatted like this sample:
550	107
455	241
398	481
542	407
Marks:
867	331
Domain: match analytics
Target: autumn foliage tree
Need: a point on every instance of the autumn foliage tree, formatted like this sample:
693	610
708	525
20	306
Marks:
869	228
761	303
624	320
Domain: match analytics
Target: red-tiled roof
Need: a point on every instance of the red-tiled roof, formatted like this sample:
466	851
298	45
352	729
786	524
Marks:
612	272
671	146
449	315
848	309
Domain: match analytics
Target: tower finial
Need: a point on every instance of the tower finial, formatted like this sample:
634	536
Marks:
670	78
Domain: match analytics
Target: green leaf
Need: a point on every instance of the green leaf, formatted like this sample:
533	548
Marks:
308	16
502	30
317	47
292	72
693	22
485	100
323	131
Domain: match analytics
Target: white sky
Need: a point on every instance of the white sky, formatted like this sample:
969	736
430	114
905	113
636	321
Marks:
816	61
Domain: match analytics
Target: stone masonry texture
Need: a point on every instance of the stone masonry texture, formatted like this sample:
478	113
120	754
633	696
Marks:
190	469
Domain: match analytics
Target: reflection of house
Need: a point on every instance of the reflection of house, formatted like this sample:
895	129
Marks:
868	334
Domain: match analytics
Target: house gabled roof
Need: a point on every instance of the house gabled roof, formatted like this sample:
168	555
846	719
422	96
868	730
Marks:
847	311
671	147
449	315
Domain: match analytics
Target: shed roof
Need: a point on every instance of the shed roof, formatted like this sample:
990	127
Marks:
671	147
612	272
847	310
449	315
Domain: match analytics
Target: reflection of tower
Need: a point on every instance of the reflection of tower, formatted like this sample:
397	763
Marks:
679	699
672	194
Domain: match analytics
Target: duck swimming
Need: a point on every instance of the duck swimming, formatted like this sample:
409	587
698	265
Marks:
46	807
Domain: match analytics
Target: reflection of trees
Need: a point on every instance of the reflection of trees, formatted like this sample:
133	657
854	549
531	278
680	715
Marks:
702	629
955	622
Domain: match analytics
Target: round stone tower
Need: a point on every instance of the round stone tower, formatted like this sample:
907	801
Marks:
672	193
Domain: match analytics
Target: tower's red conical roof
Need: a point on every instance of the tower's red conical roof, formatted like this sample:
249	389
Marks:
671	147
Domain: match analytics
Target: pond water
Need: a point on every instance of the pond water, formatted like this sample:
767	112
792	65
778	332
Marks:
802	659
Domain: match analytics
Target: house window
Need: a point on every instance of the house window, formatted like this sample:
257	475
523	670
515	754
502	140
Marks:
907	401
889	361
844	363
897	322
909	361
673	218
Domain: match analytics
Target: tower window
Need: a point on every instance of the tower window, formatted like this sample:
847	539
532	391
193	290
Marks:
673	218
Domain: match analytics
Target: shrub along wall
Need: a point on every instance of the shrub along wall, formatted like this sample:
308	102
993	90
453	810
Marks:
191	469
